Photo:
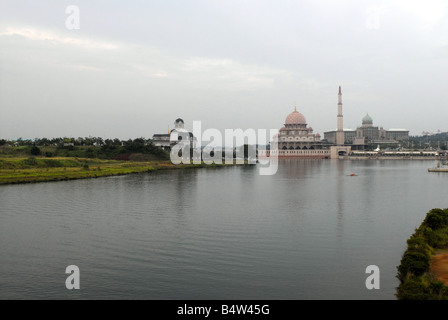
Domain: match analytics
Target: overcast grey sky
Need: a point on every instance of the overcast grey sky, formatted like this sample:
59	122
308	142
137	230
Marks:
133	67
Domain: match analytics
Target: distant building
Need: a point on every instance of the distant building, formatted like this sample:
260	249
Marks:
349	136
295	135
296	140
371	133
397	134
167	140
367	133
427	133
367	130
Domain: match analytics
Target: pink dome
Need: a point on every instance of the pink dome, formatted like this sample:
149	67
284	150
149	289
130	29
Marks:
295	118
310	128
283	129
317	135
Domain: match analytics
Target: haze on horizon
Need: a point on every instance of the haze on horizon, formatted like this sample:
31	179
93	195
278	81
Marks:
134	67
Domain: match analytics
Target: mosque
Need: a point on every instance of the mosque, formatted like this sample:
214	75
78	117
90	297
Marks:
296	140
295	135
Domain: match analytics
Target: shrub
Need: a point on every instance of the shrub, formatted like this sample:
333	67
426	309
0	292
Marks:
436	219
50	163
412	289
422	288
413	262
35	151
418	243
417	282
439	238
31	161
90	152
430	235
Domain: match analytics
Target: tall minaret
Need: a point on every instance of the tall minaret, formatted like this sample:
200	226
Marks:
340	133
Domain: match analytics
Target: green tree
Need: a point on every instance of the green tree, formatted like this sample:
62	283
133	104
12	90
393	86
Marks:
35	151
416	263
91	152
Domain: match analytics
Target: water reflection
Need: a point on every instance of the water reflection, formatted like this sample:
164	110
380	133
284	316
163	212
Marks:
340	185
216	233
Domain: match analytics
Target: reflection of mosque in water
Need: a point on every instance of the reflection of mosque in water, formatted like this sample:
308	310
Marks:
292	169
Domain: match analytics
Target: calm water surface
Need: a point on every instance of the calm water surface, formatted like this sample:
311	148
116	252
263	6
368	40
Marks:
308	232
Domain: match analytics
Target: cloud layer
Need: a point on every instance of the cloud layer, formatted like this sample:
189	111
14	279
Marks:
131	70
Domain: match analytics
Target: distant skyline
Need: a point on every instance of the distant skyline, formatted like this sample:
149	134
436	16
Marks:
134	67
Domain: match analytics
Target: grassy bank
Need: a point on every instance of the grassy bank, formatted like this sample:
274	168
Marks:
31	169
417	280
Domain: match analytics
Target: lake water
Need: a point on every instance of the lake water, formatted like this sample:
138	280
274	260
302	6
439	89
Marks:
308	232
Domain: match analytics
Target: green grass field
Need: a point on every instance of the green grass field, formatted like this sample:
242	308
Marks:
27	170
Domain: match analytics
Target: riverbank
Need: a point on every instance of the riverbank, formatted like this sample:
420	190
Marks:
437	169
32	170
423	271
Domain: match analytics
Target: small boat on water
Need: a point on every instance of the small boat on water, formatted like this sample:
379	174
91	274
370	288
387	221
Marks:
353	175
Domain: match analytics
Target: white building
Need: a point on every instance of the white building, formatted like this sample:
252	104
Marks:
179	133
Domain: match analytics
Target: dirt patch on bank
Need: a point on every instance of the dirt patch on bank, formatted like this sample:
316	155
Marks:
439	266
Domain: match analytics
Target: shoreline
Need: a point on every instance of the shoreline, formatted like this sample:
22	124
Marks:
438	170
65	169
423	270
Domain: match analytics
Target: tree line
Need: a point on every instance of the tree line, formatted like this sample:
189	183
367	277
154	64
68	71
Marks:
89	147
86	141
